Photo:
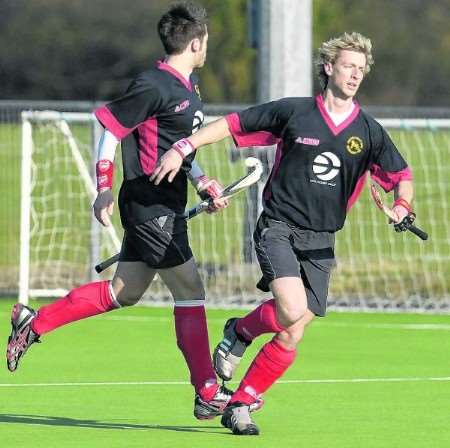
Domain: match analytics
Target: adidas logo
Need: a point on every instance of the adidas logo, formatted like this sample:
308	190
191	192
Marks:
308	141
182	106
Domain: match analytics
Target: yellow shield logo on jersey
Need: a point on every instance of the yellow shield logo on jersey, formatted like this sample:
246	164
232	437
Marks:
354	145
197	91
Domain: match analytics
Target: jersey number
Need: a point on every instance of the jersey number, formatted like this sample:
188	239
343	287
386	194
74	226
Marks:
198	121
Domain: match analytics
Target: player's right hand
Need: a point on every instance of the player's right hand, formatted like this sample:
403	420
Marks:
103	207
169	165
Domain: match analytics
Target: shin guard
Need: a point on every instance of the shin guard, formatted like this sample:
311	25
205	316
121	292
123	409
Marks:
192	339
85	301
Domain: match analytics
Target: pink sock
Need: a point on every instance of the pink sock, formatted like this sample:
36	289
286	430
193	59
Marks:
192	339
85	301
269	365
262	319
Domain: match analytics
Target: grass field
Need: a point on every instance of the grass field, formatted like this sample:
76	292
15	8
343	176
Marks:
118	380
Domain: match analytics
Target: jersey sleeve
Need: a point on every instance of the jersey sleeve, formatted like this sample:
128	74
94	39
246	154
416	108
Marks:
260	125
140	102
388	167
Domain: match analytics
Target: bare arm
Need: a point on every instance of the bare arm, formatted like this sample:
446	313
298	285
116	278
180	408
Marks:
170	162
212	133
404	190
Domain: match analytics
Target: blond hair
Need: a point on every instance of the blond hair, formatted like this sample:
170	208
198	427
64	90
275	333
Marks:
329	52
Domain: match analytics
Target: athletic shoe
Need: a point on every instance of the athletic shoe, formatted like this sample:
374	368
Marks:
237	418
22	336
206	410
228	353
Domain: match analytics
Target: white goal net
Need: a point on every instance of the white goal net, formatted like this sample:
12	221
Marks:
59	239
377	269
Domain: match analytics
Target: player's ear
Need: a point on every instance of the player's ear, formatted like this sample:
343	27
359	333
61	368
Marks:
196	45
328	67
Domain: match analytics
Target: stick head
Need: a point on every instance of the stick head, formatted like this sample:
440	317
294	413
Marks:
376	196
253	162
379	202
255	169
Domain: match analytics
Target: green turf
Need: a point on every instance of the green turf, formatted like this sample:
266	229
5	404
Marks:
138	345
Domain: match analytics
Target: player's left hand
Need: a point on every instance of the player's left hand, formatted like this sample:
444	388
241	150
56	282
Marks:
207	188
405	223
211	189
218	205
400	213
169	165
404	217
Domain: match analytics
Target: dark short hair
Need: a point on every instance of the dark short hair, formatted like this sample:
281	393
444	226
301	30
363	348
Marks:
180	24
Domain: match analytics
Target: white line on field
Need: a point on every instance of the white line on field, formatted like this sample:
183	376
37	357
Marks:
183	383
321	323
417	326
318	322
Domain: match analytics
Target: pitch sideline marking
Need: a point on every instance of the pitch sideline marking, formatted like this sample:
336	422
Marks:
318	323
408	326
183	383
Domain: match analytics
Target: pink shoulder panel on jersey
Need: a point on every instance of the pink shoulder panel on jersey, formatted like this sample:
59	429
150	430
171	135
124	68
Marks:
244	139
388	180
110	122
385	179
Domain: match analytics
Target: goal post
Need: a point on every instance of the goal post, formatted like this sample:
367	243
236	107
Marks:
59	239
25	206
377	269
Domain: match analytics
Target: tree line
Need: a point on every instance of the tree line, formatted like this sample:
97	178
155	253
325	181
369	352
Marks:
89	50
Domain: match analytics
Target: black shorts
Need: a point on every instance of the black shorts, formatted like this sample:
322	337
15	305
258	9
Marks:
160	242
288	251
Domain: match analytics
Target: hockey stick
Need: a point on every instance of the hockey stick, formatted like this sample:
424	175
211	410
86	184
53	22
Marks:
255	171
391	215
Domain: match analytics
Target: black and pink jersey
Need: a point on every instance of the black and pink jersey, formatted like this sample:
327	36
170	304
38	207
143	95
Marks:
319	168
159	108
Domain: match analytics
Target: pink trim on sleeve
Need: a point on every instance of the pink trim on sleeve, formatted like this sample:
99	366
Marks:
357	191
244	139
110	122
388	180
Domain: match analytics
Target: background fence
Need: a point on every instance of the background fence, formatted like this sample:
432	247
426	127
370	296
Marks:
376	268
